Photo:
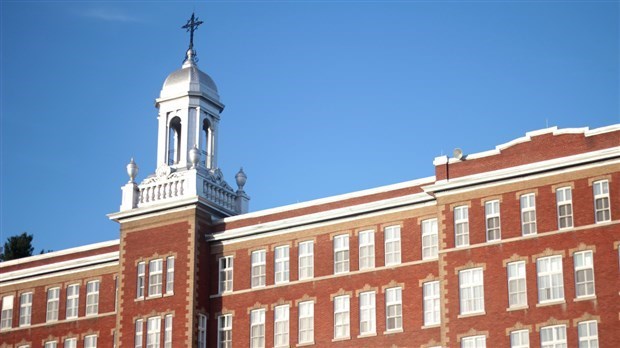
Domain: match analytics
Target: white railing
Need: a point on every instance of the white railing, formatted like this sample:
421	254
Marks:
159	191
219	195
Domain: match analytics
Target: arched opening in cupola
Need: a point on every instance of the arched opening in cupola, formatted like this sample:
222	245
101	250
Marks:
174	141
207	143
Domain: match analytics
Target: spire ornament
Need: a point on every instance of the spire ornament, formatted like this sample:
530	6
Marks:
191	26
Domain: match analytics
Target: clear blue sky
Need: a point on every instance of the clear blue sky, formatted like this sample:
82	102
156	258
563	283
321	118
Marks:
322	98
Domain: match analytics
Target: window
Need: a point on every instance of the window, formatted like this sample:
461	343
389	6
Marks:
393	309
140	280
257	328
601	201
491	211
258	268
51	344
461	226
155	277
520	339
306	321
170	275
282	264
168	331
73	299
139	333
392	245
281	326
367	249
71	343
153	332
306	260
471	291
226	274
224	331
367	313
174	141
584	273
341	317
474	342
565	207
588	334
429	239
528	214
517	290
7	313
550	279
431	303
53	301
90	341
202	331
553	337
25	309
92	297
341	254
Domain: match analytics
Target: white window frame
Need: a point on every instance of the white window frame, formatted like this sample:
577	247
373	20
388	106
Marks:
202	331
281	326
53	304
90	341
430	239
92	297
517	284
156	269
70	342
528	214
73	301
259	268
306	260
226	273
520	339
153	332
341	254
140	279
170	275
51	344
25	309
493	220
587	331
392	245
555	340
168	330
368	313
431	303
584	262
6	322
366	241
461	226
471	290
224	331
600	190
394	309
479	341
564	199
257	328
342	324
139	333
282	264
306	322
552	277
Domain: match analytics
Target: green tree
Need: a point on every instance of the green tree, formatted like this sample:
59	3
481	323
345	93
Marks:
17	247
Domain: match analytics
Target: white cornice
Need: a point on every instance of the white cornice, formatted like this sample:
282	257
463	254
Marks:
63	252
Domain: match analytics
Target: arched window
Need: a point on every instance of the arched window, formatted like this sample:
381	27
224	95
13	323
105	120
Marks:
207	143
174	141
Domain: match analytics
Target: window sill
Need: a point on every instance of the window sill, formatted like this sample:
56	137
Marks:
370	334
305	344
150	297
585	298
551	303
341	339
391	332
431	326
516	308
473	314
169	294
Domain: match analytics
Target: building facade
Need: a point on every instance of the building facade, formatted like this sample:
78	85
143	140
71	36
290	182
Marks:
513	247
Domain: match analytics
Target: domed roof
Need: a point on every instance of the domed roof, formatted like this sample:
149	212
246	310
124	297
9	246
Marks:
189	79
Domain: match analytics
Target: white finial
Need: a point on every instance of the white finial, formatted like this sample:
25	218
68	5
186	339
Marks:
132	170
241	179
194	156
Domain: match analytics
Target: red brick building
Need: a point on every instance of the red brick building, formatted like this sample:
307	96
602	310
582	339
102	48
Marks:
512	247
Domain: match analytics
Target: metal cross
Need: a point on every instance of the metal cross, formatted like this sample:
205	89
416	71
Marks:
192	24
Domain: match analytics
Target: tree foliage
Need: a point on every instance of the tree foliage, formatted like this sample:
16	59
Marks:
17	247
